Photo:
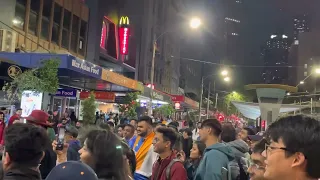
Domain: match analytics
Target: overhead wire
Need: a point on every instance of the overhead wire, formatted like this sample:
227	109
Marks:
237	65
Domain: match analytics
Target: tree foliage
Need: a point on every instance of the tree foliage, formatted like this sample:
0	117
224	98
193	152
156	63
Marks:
234	96
89	109
40	79
165	110
129	106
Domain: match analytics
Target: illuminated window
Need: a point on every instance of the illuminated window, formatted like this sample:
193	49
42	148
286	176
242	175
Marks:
20	13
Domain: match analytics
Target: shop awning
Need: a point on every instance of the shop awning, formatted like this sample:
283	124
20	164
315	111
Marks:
77	73
252	110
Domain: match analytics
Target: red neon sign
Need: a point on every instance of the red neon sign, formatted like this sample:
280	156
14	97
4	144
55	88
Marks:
103	35
124	33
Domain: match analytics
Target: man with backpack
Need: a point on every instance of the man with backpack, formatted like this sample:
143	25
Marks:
217	155
167	167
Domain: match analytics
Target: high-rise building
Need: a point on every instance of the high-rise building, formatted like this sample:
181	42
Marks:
300	24
275	56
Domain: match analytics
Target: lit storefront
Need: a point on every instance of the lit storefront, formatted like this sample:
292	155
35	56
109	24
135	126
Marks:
158	99
74	75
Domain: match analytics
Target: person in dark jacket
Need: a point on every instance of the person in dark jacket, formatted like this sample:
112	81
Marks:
25	146
164	140
40	119
70	137
187	141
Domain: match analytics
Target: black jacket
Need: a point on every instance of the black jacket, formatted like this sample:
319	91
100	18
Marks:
187	146
48	162
22	173
73	151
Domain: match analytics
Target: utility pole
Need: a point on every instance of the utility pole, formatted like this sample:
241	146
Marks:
154	44
201	94
208	102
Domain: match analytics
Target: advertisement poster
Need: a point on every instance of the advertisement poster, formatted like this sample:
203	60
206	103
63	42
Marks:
30	101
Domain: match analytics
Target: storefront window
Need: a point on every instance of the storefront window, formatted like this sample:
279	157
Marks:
20	13
34	15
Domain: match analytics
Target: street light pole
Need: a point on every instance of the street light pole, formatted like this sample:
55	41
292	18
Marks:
208	102
201	94
154	44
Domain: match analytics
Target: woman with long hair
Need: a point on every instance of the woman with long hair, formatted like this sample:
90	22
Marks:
196	154
103	152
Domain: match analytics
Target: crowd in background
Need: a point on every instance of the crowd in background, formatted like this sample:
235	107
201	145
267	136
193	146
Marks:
145	149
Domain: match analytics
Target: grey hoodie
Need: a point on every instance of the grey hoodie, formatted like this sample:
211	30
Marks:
239	148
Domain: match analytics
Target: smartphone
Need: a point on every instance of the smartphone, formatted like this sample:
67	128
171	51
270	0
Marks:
60	138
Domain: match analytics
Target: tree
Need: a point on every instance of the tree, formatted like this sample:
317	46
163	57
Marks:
234	96
165	110
40	79
129	106
89	110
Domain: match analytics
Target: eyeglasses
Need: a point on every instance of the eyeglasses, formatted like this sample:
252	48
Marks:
269	149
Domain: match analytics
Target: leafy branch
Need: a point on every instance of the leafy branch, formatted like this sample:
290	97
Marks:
165	110
40	79
89	109
128	108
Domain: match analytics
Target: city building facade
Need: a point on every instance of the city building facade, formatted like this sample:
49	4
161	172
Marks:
301	24
275	53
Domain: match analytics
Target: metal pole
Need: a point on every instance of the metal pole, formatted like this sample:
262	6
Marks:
201	94
208	103
311	106
214	90
152	73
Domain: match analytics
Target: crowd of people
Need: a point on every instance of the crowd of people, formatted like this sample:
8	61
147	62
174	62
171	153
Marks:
146	150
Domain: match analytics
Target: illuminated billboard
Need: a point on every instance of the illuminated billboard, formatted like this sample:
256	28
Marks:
124	33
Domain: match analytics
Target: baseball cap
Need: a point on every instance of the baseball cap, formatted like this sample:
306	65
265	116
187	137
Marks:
256	137
73	131
72	170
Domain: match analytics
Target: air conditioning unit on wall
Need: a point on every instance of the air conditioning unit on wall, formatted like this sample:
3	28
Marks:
7	40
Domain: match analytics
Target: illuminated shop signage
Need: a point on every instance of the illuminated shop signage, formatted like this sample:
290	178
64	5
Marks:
103	35
124	33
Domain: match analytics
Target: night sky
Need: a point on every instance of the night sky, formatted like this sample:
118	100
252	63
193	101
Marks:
263	18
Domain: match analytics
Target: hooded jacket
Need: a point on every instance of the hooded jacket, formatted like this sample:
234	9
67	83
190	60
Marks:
215	157
241	151
239	148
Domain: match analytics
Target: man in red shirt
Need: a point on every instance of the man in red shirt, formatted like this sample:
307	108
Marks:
15	117
167	166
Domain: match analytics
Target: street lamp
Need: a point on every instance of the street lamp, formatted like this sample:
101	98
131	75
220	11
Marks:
301	82
224	72
317	70
227	79
194	23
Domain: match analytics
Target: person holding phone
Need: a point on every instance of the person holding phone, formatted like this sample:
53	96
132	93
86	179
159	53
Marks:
196	154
